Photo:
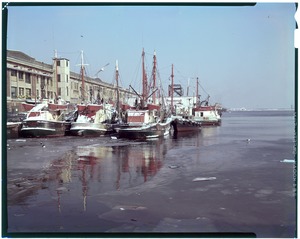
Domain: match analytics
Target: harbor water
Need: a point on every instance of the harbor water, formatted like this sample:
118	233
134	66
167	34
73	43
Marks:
235	178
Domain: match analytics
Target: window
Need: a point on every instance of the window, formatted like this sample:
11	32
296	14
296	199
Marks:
13	92
37	94
59	91
58	63
43	95
27	78
67	91
58	78
67	78
67	63
13	73
21	92
20	75
28	93
43	81
37	79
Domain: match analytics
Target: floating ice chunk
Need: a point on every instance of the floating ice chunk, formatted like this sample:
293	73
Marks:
173	166
19	214
61	189
113	137
20	140
129	207
288	161
204	179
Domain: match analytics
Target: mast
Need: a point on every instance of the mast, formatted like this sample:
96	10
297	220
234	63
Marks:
56	73
82	77
197	93
172	88
154	77
117	81
144	77
188	87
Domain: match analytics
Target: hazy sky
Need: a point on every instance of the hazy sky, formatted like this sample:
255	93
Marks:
243	56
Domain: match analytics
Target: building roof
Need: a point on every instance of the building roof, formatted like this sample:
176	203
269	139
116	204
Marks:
19	55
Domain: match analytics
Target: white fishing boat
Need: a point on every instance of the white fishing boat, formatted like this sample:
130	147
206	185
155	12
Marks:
46	120
205	113
93	120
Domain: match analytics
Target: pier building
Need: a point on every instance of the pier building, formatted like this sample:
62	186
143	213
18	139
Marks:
28	78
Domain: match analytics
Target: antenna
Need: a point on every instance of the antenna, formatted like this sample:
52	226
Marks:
188	87
82	76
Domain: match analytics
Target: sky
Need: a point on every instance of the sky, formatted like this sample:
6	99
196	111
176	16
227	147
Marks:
243	56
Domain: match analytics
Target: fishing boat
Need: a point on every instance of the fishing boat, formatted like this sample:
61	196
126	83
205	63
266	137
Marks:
144	124
146	119
182	118
44	120
208	115
205	113
182	124
92	119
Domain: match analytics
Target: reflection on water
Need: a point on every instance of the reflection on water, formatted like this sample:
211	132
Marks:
73	188
96	169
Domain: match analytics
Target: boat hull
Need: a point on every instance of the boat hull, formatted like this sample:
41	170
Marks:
207	115
90	129
145	132
43	128
211	123
13	130
181	125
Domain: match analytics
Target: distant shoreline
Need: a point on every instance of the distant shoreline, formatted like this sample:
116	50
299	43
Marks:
260	109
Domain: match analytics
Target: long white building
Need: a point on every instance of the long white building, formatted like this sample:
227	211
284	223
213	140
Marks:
27	78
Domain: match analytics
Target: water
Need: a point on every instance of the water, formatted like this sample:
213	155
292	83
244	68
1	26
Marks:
109	185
